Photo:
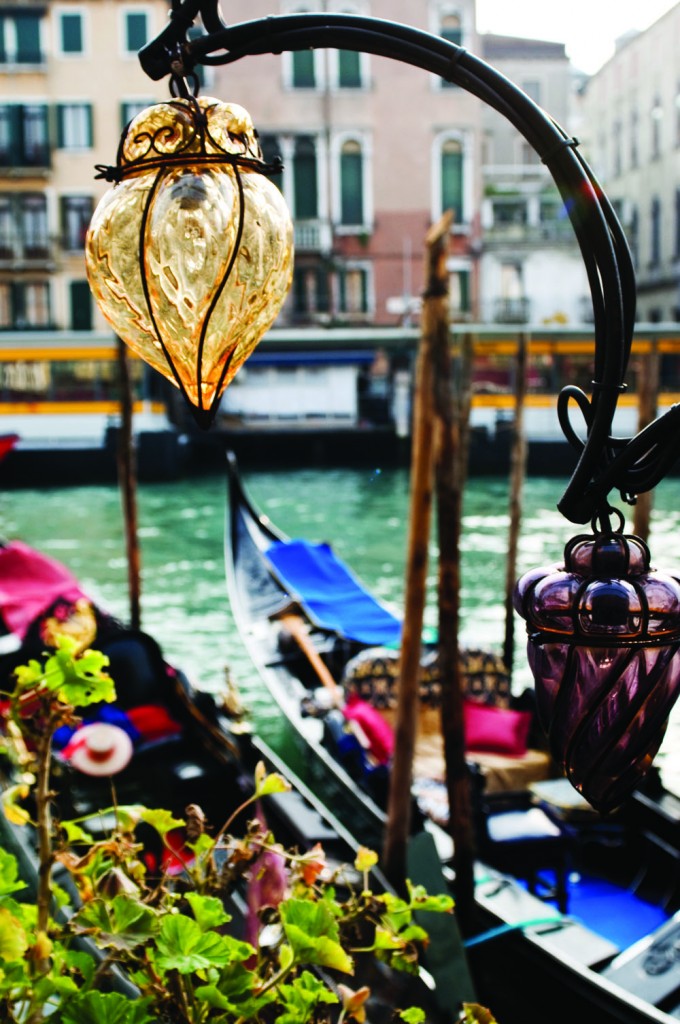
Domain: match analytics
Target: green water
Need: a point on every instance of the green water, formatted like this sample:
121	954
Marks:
362	512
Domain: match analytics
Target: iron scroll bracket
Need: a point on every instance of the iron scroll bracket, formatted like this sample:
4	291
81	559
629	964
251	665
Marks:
631	465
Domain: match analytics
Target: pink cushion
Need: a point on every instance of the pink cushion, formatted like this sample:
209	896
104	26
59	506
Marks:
496	730
376	729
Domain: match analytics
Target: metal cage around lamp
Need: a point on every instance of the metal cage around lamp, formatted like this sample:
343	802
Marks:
610	607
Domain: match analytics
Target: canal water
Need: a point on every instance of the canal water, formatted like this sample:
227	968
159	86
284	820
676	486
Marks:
362	512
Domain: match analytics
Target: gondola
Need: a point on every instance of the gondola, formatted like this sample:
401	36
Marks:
530	960
188	747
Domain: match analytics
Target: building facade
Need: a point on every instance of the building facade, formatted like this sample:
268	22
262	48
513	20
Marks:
631	137
69	79
531	270
374	151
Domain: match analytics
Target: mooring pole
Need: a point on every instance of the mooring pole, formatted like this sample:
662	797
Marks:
127	476
422	456
518	459
450	476
648	408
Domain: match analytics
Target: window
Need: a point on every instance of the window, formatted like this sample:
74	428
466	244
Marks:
24	135
20	38
655	233
451	30
634	127
633	236
532	87
303	69
617	152
76	213
351	185
74	125
135	31
305	189
130	108
24	304
349	69
657	121
33	225
23	226
7	228
80	303
459	291
310	290
676	253
70	33
353	290
451	194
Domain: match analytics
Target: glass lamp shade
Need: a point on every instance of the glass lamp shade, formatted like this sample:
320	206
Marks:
189	255
604	637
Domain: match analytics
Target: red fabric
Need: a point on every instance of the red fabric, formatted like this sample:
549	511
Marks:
495	730
29	584
377	731
153	721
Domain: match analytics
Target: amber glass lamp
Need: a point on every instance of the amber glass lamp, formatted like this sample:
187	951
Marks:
604	637
189	254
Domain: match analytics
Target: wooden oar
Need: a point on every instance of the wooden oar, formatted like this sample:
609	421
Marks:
297	628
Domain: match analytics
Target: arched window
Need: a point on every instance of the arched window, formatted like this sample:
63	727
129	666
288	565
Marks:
351	184
451	29
305	190
451	169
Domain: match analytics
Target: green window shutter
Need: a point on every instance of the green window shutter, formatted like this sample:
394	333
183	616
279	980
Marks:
451	31
16	134
135	31
299	291
452	180
304	76
322	291
364	291
61	129
349	69
305	180
81	306
71	33
351	178
90	125
3	29
342	291
28	38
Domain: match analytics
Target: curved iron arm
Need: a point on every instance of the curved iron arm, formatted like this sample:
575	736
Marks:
631	465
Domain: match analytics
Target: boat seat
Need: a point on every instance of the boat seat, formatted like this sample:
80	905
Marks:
517	837
373	676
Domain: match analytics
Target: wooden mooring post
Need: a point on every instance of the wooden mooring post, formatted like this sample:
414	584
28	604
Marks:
518	460
127	476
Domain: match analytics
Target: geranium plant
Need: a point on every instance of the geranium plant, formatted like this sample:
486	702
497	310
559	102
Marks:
131	945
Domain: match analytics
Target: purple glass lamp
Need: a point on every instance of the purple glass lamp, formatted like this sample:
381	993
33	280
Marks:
604	637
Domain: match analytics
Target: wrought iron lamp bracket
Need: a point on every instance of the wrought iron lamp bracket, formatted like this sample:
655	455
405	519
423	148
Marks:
631	465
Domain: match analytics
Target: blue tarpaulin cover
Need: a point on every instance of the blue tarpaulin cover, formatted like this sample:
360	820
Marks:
331	594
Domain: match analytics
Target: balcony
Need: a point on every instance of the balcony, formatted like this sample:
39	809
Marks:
313	236
38	254
511	311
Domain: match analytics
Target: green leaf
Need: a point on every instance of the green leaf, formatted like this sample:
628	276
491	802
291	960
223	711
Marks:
301	997
9	874
124	923
182	946
421	899
313	934
414	1015
265	785
74	833
106	1008
78	680
208	910
13	938
161	820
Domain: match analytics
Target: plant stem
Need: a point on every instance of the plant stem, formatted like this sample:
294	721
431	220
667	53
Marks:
44	818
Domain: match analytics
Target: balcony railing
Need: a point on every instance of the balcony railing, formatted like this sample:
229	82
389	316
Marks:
313	236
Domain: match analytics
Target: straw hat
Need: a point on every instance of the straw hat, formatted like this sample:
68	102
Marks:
99	749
